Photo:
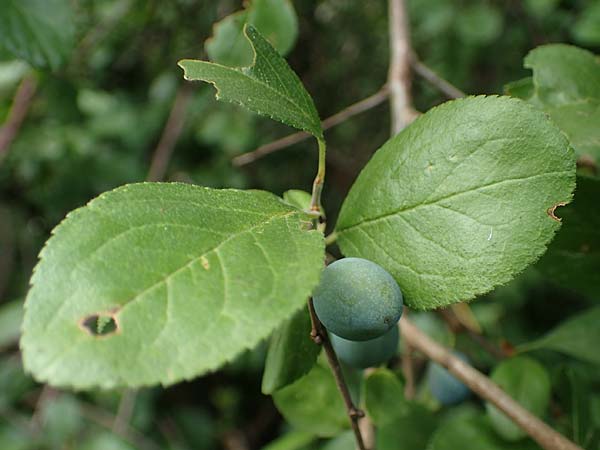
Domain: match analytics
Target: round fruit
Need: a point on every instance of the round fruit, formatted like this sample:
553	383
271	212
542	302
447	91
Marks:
363	354
444	387
357	299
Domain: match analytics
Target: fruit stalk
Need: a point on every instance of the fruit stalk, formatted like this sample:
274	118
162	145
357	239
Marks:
319	336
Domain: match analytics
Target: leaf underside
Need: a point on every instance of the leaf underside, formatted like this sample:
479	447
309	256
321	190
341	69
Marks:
461	200
190	276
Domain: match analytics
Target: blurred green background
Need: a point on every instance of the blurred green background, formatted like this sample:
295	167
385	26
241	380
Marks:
96	119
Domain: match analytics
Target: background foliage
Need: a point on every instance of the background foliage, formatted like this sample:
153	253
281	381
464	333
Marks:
106	78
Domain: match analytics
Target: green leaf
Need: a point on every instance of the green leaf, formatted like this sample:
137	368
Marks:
294	440
269	87
567	87
39	31
522	88
573	390
410	431
299	199
573	257
189	276
460	201
578	336
478	24
586	29
344	441
313	403
396	419
526	381
292	353
470	431
275	19
384	397
11	316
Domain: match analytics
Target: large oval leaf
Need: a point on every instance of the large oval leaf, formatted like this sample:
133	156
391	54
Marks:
157	283
461	200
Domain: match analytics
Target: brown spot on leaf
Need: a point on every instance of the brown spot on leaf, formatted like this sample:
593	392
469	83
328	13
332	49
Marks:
204	262
551	210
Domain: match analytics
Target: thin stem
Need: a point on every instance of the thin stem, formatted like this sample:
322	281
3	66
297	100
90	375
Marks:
291	139
456	325
170	135
544	435
18	112
106	420
433	78
315	201
319	335
331	238
124	411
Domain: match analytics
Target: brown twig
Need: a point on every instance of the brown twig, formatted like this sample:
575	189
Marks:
291	139
399	74
319	335
444	86
456	325
124	411
402	112
408	370
539	431
18	112
170	135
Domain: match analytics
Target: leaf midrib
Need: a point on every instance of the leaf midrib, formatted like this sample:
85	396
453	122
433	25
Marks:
386	215
260	83
192	261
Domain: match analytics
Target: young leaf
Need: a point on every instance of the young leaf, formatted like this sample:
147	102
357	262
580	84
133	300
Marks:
567	86
293	440
343	441
188	276
586	30
292	353
299	199
525	380
468	430
574	387
412	430
269	87
522	88
313	403
578	336
573	257
11	316
39	31
460	201
384	397
275	19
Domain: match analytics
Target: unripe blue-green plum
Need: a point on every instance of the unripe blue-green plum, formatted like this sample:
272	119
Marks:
444	387
357	299
363	354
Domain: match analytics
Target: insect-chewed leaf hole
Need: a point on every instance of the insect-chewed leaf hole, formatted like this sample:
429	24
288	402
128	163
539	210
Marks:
552	209
100	325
